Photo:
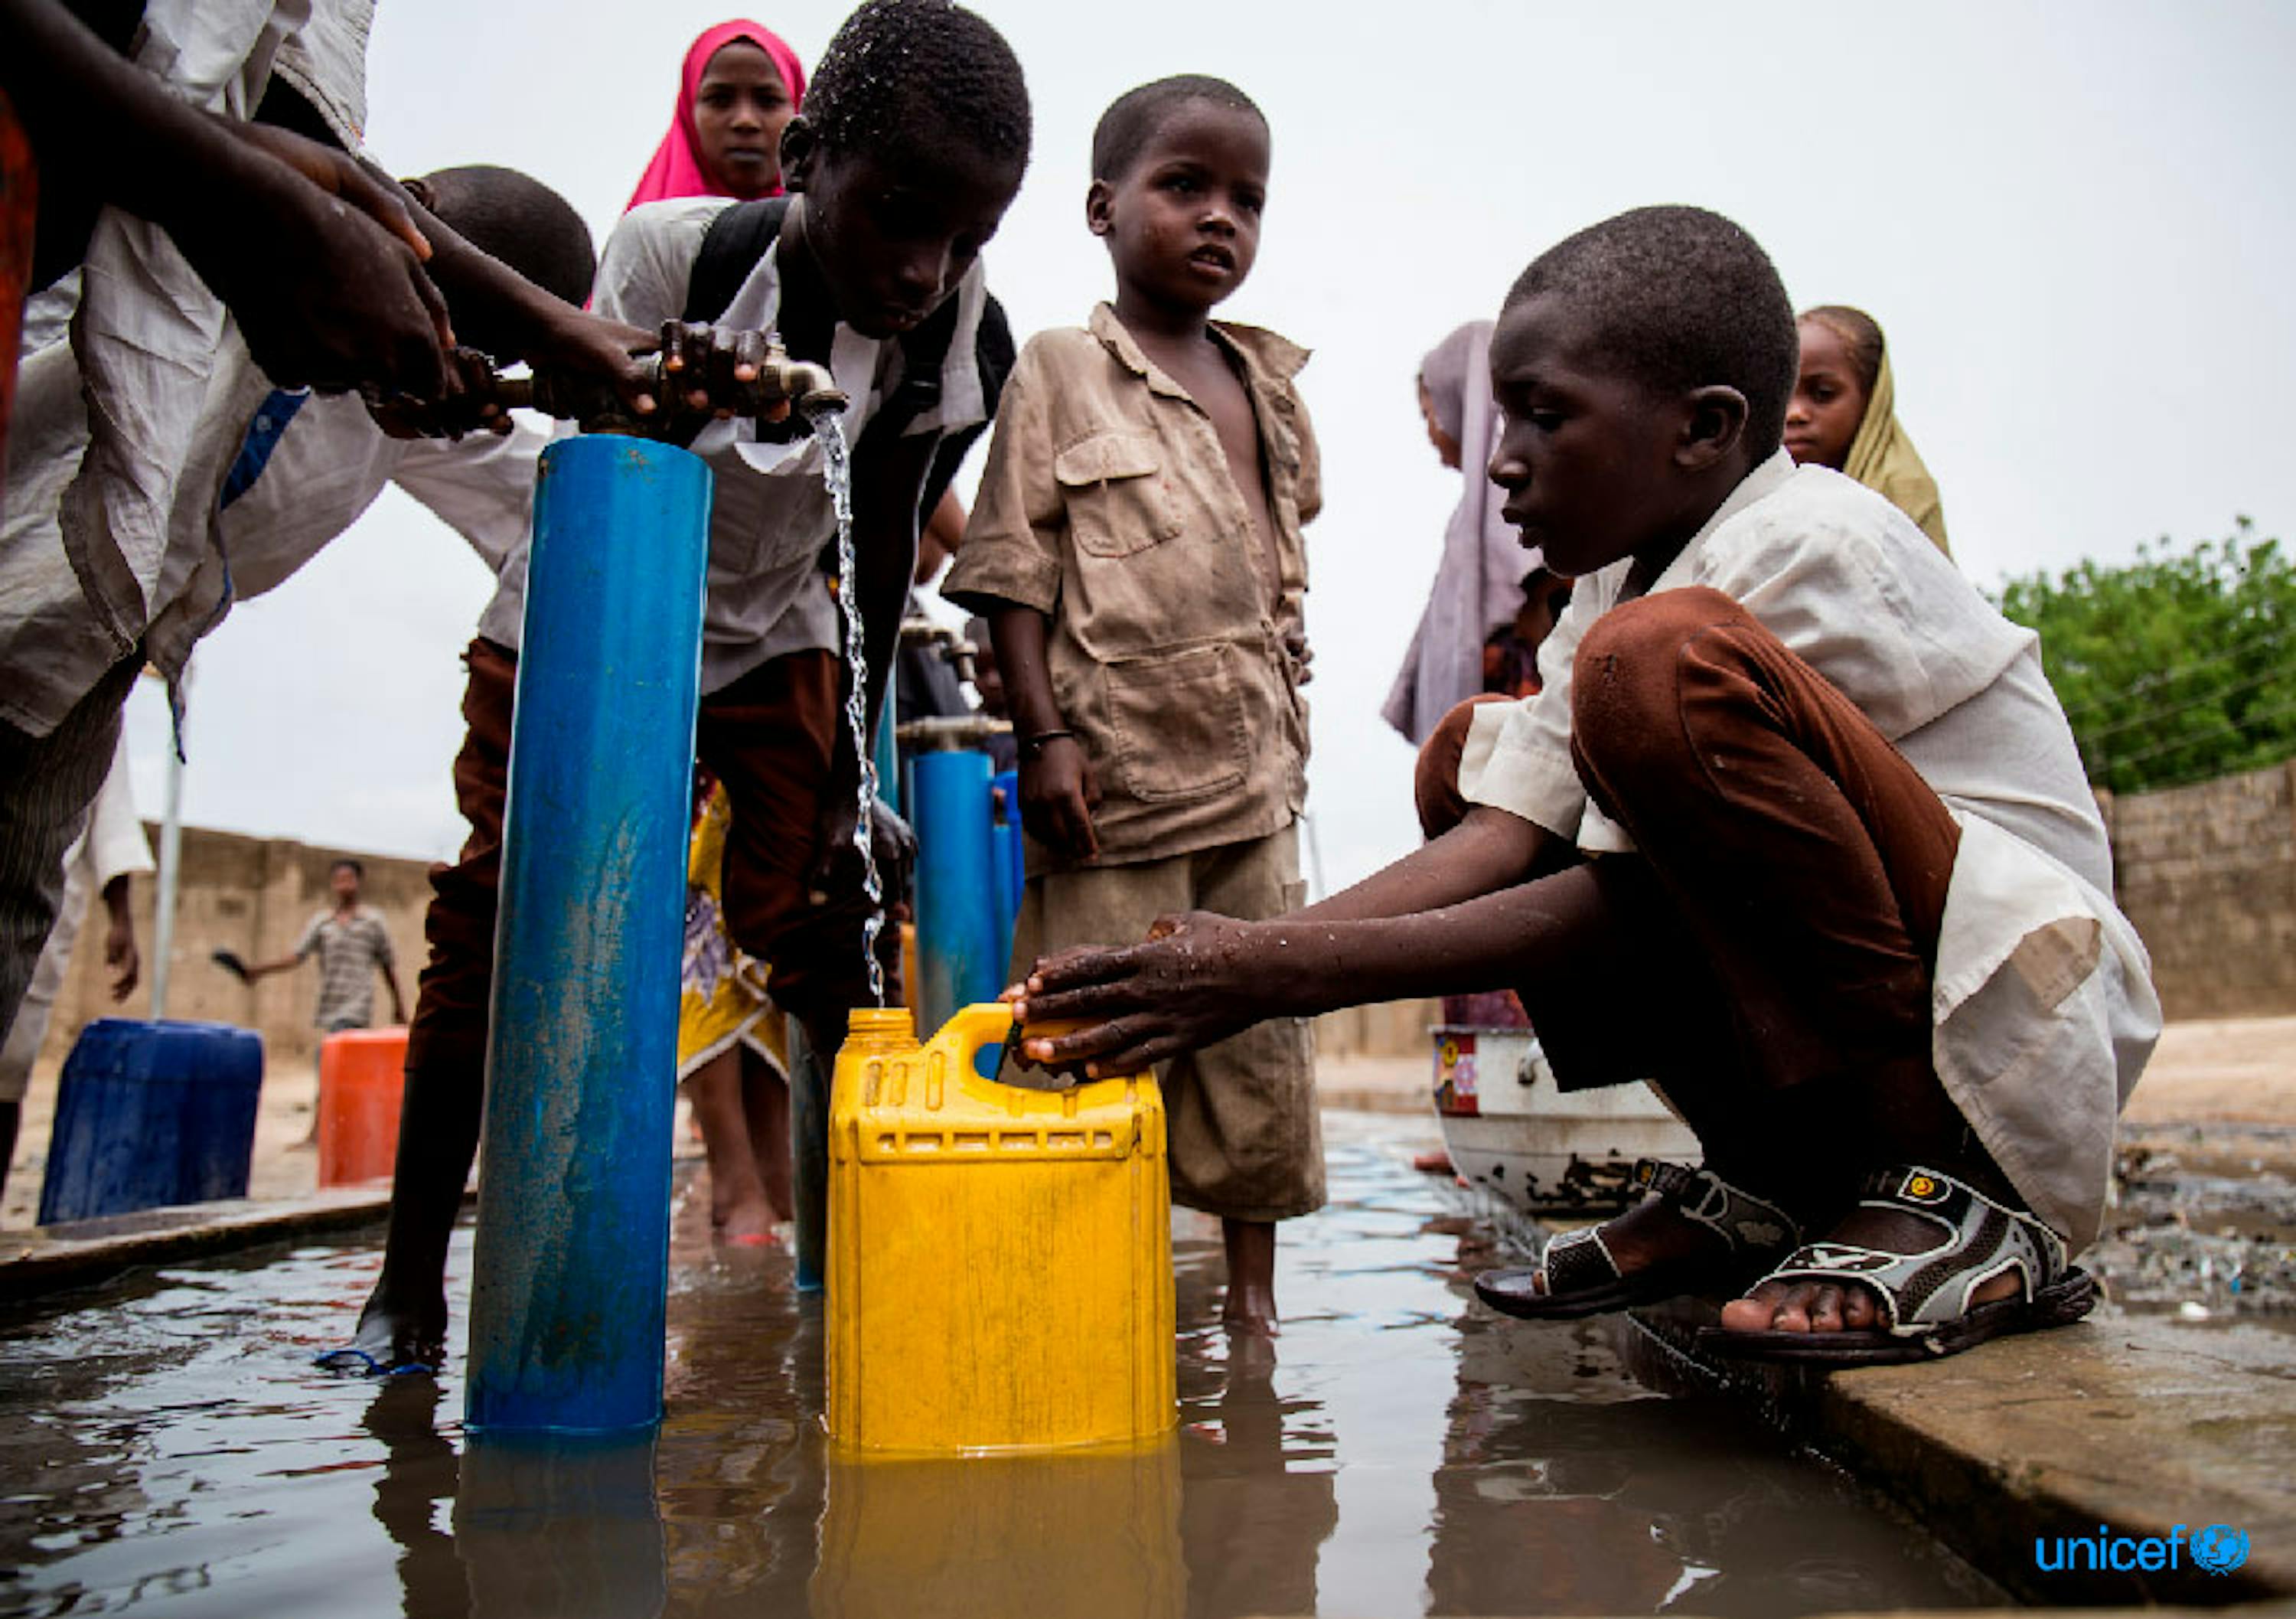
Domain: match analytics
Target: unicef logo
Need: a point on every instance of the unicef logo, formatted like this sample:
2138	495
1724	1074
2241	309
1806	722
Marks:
2219	1548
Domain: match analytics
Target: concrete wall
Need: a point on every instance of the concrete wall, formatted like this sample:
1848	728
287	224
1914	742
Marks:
2207	874
254	896
1391	1028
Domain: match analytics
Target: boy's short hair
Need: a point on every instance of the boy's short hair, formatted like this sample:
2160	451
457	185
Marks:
902	77
345	863
1681	298
518	219
1133	117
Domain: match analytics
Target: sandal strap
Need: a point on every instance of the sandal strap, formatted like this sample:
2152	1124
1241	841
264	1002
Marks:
1979	1239
1574	1260
1748	1224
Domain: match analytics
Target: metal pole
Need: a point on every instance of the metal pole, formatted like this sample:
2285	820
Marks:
571	1273
171	873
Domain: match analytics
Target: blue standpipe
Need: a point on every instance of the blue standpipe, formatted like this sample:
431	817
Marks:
889	785
959	958
571	1273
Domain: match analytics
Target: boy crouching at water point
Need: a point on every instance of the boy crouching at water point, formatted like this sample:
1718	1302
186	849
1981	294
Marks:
912	142
1136	549
1796	828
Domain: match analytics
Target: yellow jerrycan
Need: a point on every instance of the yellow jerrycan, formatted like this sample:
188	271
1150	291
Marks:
1000	1258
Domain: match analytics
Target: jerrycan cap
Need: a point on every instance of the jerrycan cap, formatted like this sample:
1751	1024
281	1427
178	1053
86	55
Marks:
881	1028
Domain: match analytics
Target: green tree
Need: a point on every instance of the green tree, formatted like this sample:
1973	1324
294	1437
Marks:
2176	667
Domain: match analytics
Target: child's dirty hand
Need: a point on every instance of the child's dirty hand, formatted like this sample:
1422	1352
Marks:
1302	656
577	348
1191	984
326	297
716	369
1058	796
836	866
466	406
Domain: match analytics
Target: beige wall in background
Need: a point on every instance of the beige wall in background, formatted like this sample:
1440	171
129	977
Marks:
254	896
2207	872
1388	1028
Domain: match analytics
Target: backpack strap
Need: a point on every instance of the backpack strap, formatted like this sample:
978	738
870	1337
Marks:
994	353
736	239
740	235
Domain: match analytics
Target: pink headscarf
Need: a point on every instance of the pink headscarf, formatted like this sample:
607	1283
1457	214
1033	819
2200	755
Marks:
676	170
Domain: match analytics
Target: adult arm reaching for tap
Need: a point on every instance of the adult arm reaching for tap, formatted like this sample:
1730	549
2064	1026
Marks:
581	349
330	288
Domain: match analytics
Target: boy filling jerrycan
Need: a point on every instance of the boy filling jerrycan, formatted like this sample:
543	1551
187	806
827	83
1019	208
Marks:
1000	1258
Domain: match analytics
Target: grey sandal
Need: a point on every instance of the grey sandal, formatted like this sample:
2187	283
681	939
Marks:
1583	1279
1926	1296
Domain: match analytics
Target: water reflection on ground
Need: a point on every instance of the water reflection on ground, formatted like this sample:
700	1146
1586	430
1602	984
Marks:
1397	1451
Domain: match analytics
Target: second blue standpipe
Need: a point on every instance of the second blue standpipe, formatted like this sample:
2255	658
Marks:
964	927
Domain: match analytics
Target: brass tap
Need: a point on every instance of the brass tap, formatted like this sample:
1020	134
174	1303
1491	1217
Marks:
801	385
949	733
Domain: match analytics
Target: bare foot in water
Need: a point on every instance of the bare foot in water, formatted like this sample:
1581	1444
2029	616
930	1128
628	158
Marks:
1251	1306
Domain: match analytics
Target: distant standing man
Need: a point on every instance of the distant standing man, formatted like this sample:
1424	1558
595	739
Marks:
353	946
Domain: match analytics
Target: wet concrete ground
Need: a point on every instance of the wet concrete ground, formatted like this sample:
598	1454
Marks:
1398	1450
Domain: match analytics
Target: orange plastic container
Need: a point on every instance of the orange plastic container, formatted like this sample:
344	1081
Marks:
361	1073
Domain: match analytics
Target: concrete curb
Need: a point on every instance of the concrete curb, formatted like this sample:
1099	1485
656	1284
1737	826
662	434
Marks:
2129	1422
36	1264
2135	1422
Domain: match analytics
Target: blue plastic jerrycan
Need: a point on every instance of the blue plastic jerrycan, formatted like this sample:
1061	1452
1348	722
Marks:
152	1113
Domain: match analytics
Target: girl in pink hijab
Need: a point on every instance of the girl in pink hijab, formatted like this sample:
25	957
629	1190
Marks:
740	88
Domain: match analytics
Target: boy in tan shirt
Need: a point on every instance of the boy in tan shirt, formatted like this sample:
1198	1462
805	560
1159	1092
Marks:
1137	550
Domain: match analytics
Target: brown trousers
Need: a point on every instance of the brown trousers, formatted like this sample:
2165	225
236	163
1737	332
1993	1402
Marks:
1776	929
770	737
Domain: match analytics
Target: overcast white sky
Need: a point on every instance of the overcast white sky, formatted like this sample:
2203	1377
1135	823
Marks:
2076	221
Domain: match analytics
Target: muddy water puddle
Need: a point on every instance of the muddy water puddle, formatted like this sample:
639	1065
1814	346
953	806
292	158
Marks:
165	1448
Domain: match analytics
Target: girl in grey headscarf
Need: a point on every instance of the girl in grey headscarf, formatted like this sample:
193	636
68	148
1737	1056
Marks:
1478	583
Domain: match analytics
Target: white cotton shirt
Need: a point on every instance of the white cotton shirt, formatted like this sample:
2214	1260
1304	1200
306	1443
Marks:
149	335
769	514
137	411
2043	1003
329	465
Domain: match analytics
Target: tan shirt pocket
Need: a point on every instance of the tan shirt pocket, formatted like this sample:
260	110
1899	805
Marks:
1176	725
1117	503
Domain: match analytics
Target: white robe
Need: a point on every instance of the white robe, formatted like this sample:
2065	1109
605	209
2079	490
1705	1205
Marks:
2043	1005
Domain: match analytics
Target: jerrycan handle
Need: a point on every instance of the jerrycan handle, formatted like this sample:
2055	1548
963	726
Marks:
983	1024
990	1023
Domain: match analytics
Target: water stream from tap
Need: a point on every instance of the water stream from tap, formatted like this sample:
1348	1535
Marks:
837	473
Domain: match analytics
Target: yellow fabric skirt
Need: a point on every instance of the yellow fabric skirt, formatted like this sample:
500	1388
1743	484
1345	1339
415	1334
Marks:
722	998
